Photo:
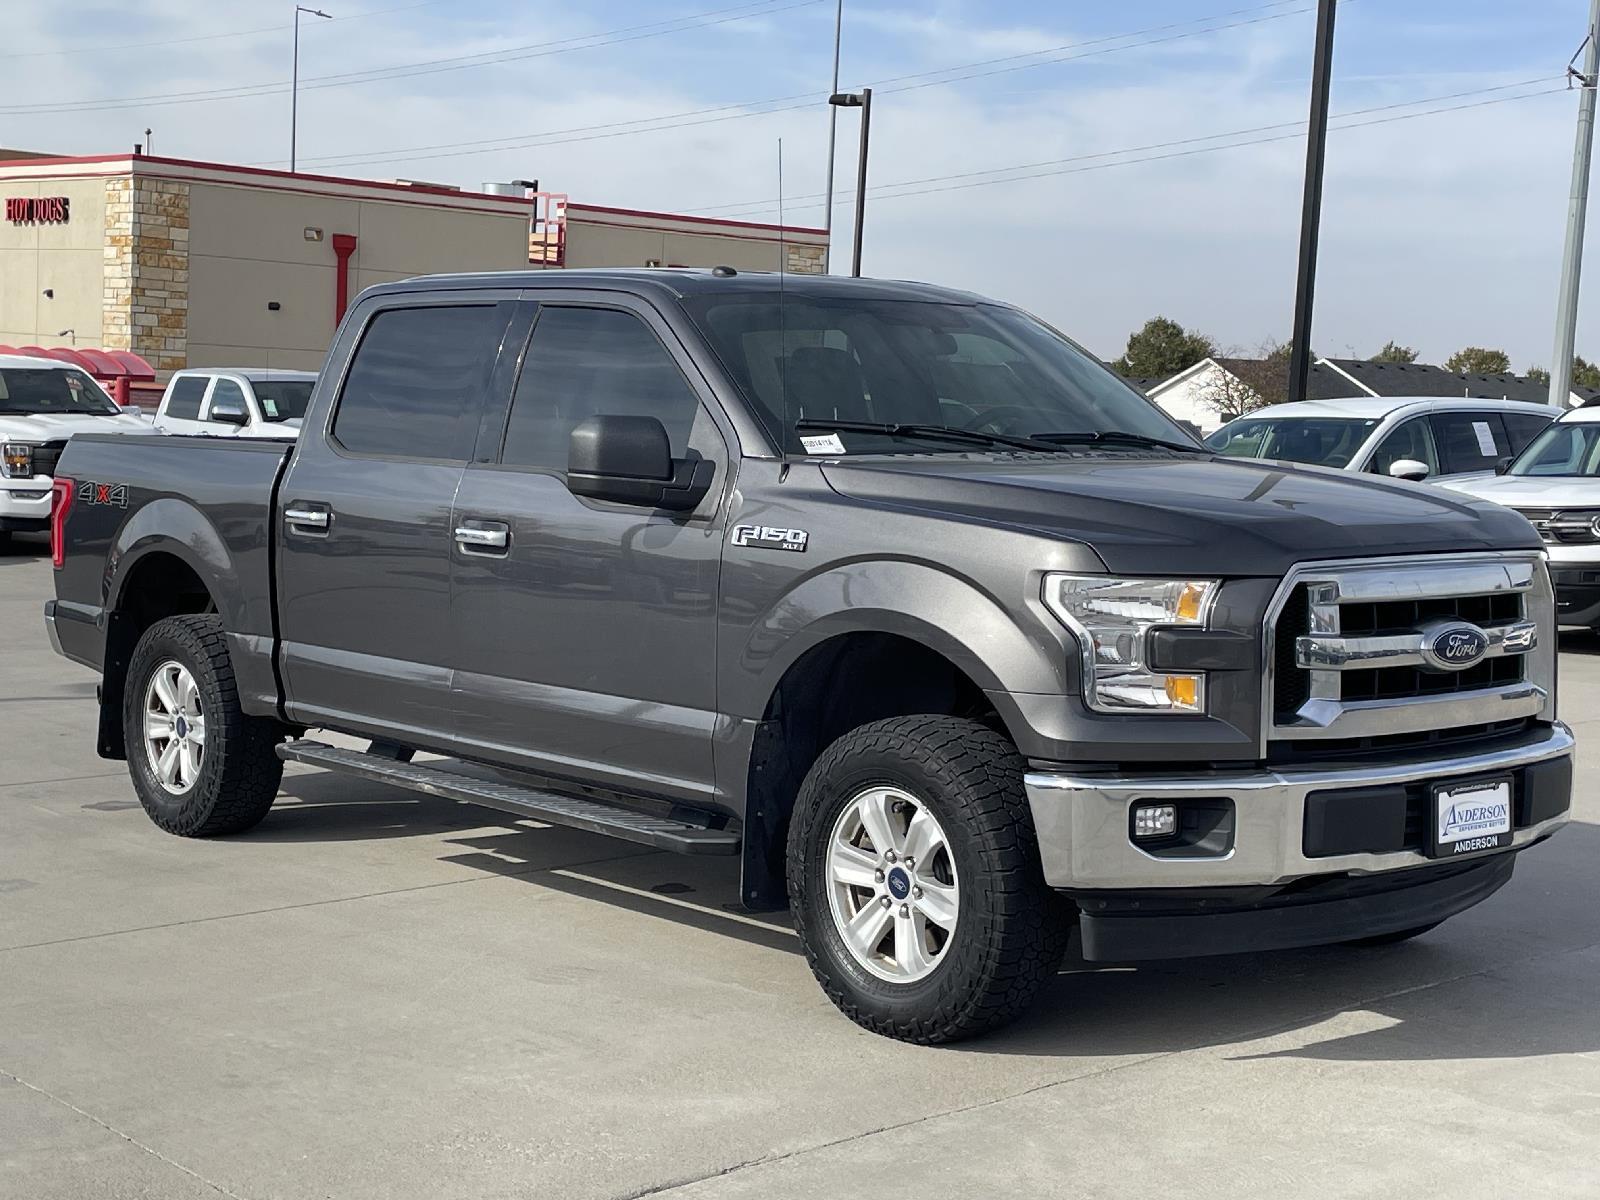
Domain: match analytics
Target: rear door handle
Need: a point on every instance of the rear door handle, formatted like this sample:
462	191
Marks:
484	537
307	519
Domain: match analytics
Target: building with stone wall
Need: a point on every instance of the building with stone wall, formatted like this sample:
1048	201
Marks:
205	264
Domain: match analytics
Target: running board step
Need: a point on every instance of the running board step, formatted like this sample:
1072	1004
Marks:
664	833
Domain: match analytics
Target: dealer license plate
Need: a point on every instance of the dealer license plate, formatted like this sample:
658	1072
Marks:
1468	817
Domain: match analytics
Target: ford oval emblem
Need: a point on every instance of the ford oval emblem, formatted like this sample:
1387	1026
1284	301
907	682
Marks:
1454	647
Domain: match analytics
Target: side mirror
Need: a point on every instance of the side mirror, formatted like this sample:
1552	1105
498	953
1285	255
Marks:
628	460
1409	468
1504	464
230	412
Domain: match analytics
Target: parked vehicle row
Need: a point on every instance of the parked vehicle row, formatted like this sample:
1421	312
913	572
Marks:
1407	438
957	641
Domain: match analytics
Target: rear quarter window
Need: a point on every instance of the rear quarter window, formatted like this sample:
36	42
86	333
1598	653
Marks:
184	396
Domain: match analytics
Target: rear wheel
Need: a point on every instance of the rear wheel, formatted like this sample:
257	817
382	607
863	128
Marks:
200	766
915	883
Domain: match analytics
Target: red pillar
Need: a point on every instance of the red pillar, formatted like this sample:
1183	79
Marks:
344	245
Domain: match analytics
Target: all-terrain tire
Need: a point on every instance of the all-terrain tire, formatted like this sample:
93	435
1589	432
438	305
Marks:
1011	929
239	769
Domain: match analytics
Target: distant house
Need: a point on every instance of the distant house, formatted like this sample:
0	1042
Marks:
1216	389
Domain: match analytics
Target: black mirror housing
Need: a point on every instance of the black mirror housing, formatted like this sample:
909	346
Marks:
1504	464
628	460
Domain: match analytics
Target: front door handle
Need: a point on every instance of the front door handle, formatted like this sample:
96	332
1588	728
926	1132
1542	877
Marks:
484	537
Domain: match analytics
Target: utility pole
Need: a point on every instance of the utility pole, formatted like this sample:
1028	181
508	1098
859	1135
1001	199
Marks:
833	126
1311	209
294	84
863	101
1577	206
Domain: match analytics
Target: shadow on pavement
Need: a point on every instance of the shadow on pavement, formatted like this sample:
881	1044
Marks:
1094	1009
1580	641
23	547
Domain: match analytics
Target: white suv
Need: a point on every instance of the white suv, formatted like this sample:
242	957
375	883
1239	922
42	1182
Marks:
1555	483
1407	438
236	402
43	402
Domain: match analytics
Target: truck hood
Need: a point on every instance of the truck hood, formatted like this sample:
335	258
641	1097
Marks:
1190	515
1534	491
55	427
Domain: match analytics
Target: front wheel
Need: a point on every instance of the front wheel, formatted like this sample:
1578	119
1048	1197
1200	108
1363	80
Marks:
201	766
915	883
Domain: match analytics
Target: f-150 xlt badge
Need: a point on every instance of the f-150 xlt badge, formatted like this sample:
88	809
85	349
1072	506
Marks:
769	537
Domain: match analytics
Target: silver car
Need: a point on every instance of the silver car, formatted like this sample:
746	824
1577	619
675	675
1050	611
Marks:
1405	437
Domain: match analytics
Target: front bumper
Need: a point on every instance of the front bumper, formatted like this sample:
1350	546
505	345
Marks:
1084	822
25	504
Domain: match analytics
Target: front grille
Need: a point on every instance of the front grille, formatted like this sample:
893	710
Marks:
1367	626
1569	527
46	456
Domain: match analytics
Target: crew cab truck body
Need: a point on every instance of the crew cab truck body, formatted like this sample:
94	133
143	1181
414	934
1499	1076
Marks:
893	591
235	402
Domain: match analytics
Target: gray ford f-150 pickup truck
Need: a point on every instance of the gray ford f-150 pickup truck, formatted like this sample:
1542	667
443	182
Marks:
893	591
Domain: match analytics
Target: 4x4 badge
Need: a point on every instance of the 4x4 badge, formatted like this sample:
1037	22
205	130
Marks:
769	537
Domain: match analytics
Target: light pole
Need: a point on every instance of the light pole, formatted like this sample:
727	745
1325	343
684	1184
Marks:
294	85
833	127
863	101
1311	210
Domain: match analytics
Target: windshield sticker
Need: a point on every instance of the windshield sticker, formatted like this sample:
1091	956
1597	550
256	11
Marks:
270	407
1485	439
822	443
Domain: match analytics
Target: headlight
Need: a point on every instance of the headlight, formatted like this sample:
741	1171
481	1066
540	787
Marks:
18	461
1112	619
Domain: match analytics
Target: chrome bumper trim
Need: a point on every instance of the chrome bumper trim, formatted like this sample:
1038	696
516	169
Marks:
50	628
1082	821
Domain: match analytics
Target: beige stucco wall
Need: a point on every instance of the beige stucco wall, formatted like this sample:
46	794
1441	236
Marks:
247	248
605	242
66	258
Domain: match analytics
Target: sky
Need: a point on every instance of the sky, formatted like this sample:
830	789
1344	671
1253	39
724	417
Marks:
1063	156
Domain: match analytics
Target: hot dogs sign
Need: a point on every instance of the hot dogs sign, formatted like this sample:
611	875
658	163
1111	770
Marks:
37	210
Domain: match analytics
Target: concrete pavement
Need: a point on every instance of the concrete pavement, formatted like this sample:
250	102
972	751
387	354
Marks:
378	994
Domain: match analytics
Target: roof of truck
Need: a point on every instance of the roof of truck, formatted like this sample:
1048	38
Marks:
687	281
1377	407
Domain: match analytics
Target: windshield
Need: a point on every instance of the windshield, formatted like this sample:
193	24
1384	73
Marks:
976	367
36	391
1565	448
283	399
1320	441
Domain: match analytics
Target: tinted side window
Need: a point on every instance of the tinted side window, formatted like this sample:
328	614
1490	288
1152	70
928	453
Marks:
227	392
1523	428
1407	440
187	392
417	382
1469	441
585	362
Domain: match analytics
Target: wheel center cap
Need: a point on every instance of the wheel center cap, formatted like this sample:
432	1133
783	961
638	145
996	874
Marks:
181	727
899	884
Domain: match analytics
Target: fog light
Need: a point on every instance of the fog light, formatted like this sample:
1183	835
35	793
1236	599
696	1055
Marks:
1155	820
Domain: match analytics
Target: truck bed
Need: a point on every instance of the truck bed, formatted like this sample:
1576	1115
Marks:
139	504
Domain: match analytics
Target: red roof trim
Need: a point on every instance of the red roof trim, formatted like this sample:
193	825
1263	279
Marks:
641	212
135	159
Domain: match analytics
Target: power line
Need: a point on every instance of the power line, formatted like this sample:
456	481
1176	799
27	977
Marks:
630	33
778	104
78	51
766	205
882	193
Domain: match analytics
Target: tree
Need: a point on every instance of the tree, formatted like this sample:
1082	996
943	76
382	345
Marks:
1538	375
1394	352
1161	349
1584	374
1476	360
1225	394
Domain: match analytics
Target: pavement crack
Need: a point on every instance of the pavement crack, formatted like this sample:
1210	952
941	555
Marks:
259	912
127	1137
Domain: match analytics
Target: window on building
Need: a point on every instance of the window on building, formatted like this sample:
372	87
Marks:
184	397
585	362
417	382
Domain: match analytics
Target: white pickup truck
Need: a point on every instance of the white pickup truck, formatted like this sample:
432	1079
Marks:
43	402
235	402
